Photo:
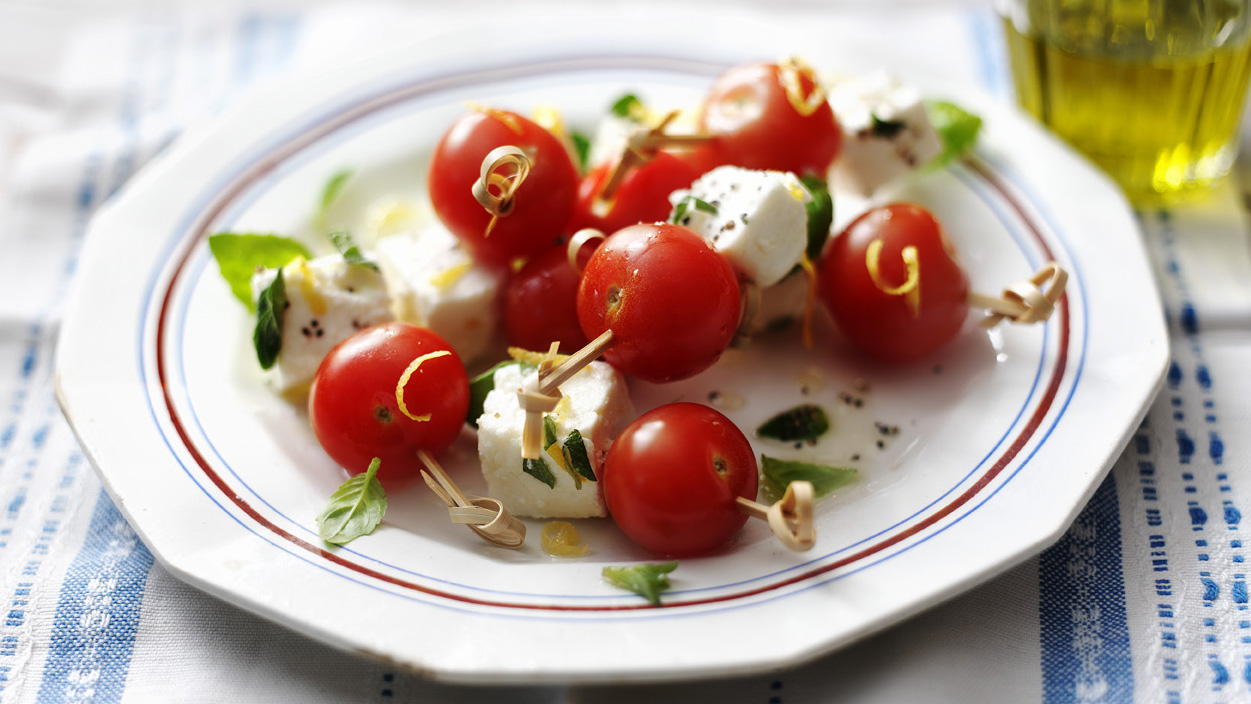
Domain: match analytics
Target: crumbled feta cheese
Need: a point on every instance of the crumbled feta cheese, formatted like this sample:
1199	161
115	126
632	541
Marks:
327	300
596	402
760	223
435	283
887	132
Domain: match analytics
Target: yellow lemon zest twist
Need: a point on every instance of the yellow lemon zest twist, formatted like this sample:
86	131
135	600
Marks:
790	73
910	289
399	387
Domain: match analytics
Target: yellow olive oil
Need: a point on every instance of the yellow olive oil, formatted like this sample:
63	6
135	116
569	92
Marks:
1154	101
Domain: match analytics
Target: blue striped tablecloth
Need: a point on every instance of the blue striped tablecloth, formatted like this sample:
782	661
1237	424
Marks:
1143	600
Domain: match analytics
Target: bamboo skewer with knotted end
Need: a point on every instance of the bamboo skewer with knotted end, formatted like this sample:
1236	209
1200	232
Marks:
1032	300
484	515
502	173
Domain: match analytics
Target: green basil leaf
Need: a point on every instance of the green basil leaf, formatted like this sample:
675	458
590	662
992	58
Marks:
549	439
539	470
240	255
646	580
549	430
271	308
342	241
825	479
355	508
957	128
887	129
801	423
820	215
575	452
330	193
479	387
582	149
630	107
684	206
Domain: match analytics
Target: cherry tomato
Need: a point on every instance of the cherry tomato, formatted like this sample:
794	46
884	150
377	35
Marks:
642	196
771	116
672	478
671	301
353	407
892	283
543	202
540	304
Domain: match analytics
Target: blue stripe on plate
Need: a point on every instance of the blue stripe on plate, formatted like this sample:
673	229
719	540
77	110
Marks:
97	616
1083	629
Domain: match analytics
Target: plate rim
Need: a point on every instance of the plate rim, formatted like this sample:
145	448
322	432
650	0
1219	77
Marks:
67	397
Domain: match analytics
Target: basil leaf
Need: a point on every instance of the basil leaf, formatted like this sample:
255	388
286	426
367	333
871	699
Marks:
355	508
646	580
271	308
240	255
887	129
549	431
820	215
342	241
482	385
549	439
539	470
825	479
804	422
575	452
956	128
628	106
330	193
582	149
684	206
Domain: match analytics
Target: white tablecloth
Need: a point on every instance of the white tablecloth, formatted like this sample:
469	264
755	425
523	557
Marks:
1144	600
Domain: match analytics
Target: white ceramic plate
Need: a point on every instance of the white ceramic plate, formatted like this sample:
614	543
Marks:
1001	437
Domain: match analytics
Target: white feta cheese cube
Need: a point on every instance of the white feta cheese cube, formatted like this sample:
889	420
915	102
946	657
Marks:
434	282
887	132
327	300
596	402
610	138
781	304
760	223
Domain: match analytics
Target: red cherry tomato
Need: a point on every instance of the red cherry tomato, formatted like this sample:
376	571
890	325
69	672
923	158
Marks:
672	478
642	196
540	304
892	283
353	407
770	116
543	202
671	301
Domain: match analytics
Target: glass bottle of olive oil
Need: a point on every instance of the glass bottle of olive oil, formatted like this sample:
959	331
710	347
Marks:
1150	90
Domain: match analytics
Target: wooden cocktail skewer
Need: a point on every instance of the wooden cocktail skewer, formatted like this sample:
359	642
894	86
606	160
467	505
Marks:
503	170
539	392
641	147
790	518
1029	301
485	516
